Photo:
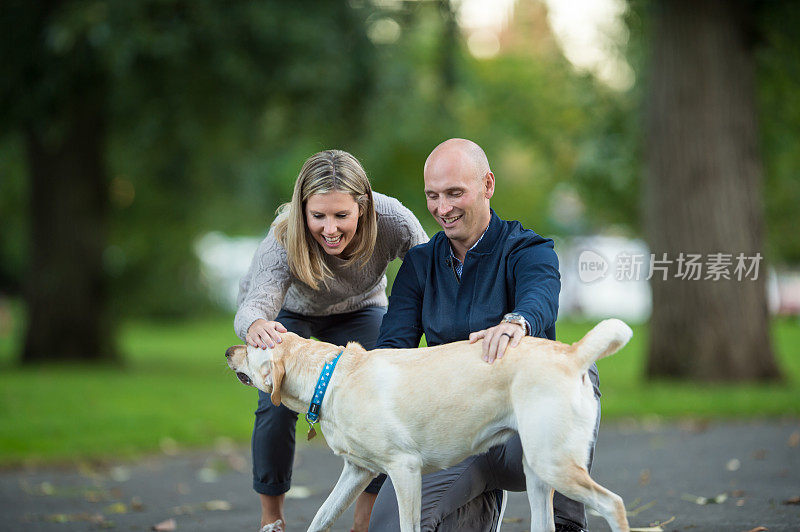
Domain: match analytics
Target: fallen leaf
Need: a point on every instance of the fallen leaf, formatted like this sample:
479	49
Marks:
759	454
218	465
137	505
662	523
758	529
207	475
740	502
47	488
165	526
96	519
719	499
695	426
644	477
217	505
101	521
733	464
117	508
654	527
168	446
95	496
737	493
792	500
237	462
640	509
86	469
120	474
224	445
794	439
651	423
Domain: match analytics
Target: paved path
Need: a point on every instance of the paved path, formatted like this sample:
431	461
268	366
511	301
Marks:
656	468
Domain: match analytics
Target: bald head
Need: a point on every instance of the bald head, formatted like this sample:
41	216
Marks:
458	187
458	154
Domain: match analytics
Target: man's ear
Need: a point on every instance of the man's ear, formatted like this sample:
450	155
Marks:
278	372
488	185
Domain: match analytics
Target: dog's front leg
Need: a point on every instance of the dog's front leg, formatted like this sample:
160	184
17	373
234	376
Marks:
407	481
351	483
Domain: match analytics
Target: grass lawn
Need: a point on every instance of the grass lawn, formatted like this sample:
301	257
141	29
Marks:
176	388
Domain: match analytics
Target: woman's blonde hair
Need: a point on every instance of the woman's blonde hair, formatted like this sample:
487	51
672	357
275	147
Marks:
326	171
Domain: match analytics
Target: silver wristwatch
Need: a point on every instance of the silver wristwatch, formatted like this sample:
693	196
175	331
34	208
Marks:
519	319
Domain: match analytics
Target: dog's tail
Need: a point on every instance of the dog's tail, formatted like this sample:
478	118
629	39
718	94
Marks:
607	337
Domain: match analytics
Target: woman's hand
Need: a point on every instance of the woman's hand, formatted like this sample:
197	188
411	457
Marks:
263	333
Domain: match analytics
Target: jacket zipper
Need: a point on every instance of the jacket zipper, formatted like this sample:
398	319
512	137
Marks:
455	274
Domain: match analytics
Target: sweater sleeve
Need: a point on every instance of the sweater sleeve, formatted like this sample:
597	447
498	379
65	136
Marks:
534	265
411	231
262	289
398	225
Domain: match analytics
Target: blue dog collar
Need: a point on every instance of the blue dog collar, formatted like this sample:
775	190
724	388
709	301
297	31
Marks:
312	416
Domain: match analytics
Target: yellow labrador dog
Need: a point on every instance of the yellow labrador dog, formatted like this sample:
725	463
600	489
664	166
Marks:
407	412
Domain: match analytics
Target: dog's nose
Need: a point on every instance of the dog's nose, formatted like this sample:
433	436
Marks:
230	351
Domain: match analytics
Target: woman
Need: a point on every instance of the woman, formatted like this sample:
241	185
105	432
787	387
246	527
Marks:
319	272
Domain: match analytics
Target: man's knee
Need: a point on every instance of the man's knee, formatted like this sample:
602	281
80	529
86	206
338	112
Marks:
504	465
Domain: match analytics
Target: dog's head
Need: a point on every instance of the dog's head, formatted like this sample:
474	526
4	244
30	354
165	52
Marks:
261	368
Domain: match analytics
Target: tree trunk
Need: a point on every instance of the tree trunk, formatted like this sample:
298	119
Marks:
703	194
65	288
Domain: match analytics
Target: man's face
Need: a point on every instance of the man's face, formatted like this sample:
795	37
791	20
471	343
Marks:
458	199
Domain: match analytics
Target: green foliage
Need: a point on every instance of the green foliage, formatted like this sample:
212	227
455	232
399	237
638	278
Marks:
778	56
206	103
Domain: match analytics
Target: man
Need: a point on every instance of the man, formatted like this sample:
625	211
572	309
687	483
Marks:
488	280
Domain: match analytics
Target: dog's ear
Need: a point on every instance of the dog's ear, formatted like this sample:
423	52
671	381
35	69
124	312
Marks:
278	372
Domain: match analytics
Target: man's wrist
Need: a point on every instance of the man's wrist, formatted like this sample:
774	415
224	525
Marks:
517	319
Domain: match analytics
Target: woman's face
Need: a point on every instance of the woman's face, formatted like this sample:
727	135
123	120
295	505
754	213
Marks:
332	219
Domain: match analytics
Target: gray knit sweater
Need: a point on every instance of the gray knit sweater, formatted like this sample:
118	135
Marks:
269	284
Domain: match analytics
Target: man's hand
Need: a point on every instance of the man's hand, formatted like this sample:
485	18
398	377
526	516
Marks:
263	333
497	339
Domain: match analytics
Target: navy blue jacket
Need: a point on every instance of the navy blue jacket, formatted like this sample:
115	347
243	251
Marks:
512	269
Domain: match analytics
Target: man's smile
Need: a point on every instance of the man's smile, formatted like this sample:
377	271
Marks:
450	220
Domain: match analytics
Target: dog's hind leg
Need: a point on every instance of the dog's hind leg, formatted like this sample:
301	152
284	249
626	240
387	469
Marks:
351	483
407	480
574	482
540	497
